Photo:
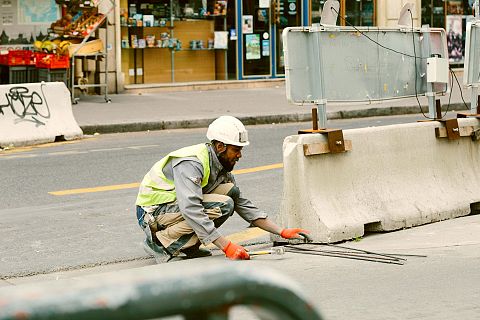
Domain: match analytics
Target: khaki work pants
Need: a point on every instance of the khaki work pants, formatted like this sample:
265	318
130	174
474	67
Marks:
175	233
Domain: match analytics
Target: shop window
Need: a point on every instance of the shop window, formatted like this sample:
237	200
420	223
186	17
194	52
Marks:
174	41
453	15
352	12
433	13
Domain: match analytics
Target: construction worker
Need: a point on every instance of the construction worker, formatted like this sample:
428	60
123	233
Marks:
189	193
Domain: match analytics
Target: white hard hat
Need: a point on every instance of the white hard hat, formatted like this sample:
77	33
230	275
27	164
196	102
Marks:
229	130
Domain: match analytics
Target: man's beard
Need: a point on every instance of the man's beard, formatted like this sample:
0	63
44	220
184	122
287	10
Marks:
228	166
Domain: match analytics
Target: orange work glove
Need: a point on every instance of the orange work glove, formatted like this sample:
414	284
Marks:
235	252
294	233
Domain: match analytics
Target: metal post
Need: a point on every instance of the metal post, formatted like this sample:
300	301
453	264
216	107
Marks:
72	79
426	51
107	100
431	100
476	7
322	114
474	100
172	50
321	104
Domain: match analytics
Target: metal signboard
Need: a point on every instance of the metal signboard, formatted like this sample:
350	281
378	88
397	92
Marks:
359	64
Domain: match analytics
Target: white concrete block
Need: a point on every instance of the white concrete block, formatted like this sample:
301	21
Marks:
394	177
35	113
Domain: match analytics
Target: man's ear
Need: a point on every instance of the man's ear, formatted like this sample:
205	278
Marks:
220	147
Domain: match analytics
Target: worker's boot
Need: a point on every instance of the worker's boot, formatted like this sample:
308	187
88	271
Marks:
158	252
196	252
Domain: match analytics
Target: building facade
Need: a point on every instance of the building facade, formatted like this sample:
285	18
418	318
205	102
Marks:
177	41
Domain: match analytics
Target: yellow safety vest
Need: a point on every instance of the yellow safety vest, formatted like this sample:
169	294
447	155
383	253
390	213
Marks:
157	189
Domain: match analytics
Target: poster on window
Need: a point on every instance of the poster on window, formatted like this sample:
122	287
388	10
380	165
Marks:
247	24
37	11
454	37
252	45
265	48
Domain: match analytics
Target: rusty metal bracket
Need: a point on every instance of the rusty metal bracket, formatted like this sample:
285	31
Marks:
451	130
335	144
467	115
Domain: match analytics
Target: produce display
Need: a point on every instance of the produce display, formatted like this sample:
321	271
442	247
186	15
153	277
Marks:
57	46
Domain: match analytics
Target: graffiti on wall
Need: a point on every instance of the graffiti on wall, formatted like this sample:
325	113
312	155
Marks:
26	105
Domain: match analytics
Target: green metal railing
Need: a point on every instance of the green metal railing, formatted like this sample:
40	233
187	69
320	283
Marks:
203	292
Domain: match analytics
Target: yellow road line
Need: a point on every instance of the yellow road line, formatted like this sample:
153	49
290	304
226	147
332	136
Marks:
38	146
95	189
257	169
136	184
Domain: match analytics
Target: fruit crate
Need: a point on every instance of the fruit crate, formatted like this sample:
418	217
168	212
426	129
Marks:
18	74
18	58
14	74
53	75
52	61
32	74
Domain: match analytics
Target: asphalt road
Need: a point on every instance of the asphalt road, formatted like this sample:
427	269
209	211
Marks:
43	229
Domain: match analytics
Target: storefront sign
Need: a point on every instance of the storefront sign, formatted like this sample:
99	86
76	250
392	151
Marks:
292	7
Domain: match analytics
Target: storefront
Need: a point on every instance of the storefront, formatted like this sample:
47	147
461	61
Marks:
40	39
259	44
200	40
453	15
174	41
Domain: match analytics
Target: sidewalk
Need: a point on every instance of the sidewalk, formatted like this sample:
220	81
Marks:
437	280
258	105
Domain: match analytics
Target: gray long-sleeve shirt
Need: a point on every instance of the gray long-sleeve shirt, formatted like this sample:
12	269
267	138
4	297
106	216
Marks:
187	174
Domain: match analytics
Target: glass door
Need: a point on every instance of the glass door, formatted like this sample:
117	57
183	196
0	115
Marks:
287	13
256	37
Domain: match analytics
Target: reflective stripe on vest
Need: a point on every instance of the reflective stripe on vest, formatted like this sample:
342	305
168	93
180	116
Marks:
157	189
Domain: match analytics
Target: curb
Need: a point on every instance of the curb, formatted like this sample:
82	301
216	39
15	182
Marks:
256	120
202	85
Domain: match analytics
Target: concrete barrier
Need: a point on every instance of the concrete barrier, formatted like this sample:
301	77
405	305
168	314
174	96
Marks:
394	177
36	113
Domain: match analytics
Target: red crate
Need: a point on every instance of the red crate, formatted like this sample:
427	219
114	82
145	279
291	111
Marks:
52	61
18	58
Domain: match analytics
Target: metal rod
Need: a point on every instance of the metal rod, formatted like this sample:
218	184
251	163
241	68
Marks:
438	107
370	252
476	7
348	257
357	254
314	119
